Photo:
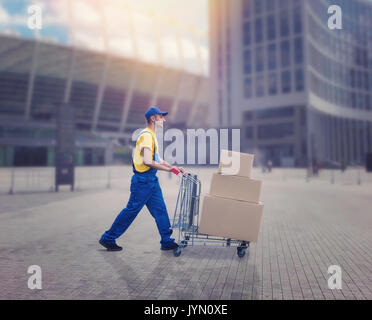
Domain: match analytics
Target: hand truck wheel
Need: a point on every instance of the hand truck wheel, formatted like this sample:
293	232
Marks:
241	251
177	251
184	243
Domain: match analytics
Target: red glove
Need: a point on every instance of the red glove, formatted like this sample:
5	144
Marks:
175	171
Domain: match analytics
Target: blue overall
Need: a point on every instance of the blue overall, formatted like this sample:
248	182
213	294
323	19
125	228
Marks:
145	190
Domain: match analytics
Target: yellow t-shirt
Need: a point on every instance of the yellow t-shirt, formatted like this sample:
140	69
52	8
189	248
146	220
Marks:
145	140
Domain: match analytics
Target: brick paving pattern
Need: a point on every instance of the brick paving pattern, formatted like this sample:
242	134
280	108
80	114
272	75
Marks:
306	228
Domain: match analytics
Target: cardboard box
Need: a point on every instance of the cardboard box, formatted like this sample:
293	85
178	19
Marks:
235	163
228	218
236	187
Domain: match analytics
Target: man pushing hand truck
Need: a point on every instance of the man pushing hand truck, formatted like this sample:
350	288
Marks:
145	188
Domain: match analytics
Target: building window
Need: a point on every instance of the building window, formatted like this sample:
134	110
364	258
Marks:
258	30
249	133
352	78
248	88
348	98
303	117
344	96
282	112
366	81
283	3
248	116
284	25
271	54
275	131
285	53
247	33
360	101
259	59
297	22
270	5
272	83
258	6
286	81
368	102
260	85
298	51
271	27
247	7
359	80
353	100
299	80
247	62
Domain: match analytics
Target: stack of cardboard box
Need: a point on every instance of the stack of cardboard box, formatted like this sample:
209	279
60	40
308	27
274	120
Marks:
233	209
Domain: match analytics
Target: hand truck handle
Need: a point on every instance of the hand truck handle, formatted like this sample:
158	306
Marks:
177	172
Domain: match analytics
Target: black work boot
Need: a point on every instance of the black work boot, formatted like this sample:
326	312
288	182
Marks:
170	247
110	246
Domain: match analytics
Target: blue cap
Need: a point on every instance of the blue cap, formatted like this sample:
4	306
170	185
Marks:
153	111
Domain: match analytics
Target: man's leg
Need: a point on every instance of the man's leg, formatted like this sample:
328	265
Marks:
140	193
158	210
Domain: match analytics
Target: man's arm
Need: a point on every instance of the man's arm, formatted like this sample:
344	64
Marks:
170	166
147	160
165	163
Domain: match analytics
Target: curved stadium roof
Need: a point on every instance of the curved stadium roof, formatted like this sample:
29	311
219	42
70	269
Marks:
110	91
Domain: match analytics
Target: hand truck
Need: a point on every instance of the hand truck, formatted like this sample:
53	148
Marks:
186	219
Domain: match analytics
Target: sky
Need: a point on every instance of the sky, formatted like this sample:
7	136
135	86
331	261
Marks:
186	20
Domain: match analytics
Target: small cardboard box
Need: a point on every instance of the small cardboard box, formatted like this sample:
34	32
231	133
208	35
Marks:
236	187
235	163
230	218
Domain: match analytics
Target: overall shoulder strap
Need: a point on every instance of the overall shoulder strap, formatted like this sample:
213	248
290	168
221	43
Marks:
152	136
142	132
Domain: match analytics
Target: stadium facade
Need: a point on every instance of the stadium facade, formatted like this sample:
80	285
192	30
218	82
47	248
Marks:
299	91
109	93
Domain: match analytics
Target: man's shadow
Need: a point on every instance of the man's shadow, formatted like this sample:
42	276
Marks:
133	278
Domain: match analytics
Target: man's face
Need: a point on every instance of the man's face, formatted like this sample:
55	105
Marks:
159	117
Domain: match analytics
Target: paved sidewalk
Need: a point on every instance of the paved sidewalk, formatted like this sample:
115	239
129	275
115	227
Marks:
306	228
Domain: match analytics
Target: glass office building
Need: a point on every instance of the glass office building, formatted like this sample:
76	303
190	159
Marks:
298	90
